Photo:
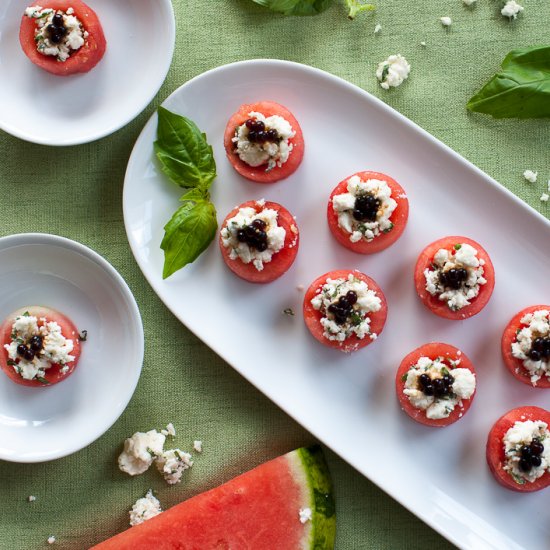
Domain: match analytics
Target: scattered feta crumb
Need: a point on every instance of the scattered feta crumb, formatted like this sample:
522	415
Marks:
377	28
169	431
446	21
300	288
197	445
544	197
393	71
51	539
530	176
511	9
469	2
305	515
548	186
172	463
423	44
140	450
31	498
145	508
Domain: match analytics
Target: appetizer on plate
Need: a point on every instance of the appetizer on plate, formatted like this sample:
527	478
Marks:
62	37
518	449
436	384
259	241
526	346
367	212
345	309
454	277
264	142
40	346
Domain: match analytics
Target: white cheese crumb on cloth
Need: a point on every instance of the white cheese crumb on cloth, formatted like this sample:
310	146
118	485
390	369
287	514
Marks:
393	71
51	539
446	21
197	446
544	197
530	176
31	498
469	2
377	28
145	508
511	9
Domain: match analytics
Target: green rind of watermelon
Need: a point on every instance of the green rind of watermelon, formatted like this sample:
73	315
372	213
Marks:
323	530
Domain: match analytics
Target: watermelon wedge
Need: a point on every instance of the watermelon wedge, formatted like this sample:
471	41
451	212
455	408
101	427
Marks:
263	509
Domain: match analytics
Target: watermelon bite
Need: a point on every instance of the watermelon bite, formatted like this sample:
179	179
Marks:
539	375
252	244
345	309
363	217
448	283
35	347
34	37
255	137
502	467
437	399
284	504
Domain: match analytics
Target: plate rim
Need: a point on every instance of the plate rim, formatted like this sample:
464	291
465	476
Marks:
89	138
25	239
387	110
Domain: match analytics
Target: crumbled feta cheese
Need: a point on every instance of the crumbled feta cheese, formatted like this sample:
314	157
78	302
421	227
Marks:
73	39
358	322
271	153
523	433
344	205
140	450
544	197
51	539
56	349
31	498
469	2
145	508
446	21
465	256
169	431
197	445
535	325
306	515
511	9
172	463
275	236
423	44
530	176
463	386
377	28
393	71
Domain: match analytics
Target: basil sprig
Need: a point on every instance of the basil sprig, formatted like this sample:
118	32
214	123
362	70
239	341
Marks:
312	7
521	89
188	160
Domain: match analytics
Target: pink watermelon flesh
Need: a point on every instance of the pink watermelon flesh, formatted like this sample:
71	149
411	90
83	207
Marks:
258	510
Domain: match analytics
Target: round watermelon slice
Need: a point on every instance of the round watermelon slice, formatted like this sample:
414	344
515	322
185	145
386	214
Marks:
80	61
432	350
398	218
264	509
57	372
440	307
513	364
496	458
259	174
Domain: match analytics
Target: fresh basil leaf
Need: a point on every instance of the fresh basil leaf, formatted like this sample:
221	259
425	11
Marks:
188	234
520	90
183	152
295	7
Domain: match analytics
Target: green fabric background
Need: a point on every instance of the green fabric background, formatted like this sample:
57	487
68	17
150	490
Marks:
76	192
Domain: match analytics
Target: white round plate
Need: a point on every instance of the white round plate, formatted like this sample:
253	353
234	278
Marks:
348	401
56	110
39	424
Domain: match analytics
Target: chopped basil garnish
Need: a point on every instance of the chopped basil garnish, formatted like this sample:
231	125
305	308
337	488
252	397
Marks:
458	246
42	380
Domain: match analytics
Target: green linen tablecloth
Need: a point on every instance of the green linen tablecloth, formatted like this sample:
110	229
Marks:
76	192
